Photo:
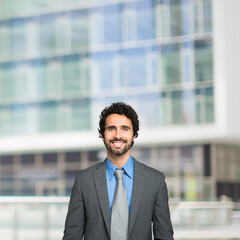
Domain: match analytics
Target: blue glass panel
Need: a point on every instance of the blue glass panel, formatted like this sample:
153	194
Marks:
17	37
207	15
136	68
203	60
104	65
40	77
175	18
79	28
185	4
188	106
112	24
145	24
47	33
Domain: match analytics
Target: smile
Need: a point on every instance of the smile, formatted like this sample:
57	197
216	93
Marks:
117	144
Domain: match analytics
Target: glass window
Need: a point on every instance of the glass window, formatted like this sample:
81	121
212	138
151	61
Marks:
203	60
49	157
170	61
177	112
7	192
162	21
28	159
176	18
32	37
145	25
165	110
64	116
143	155
4	121
93	156
8	81
17	37
112	30
129	25
38	5
147	108
188	106
18	119
85	75
72	156
207	14
7	160
47	34
71	75
79	29
54	79
22	81
96	29
198	17
39	78
63	33
71	174
103	71
48	117
153	71
209	105
186	14
120	71
199	110
4	40
166	161
136	68
81	115
187	62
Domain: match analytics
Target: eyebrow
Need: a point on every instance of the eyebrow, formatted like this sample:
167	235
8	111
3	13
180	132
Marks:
122	126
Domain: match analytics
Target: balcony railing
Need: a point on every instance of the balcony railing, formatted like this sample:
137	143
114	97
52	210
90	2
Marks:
42	218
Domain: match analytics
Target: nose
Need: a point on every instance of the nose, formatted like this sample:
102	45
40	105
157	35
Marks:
117	133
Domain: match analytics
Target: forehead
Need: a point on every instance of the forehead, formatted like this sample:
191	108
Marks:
117	120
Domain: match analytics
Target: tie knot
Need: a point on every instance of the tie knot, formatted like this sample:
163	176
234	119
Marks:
119	174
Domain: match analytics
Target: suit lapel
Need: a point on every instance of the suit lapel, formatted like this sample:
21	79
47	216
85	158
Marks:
138	186
102	192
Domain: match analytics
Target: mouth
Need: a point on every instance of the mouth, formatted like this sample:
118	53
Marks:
117	143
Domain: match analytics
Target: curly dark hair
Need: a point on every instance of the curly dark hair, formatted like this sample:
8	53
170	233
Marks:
120	108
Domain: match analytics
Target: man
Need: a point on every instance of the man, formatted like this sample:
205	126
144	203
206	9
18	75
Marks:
120	198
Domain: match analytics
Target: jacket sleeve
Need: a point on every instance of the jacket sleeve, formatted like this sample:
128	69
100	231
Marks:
75	220
162	226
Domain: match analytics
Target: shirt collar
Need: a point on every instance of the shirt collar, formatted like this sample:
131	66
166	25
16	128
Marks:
128	168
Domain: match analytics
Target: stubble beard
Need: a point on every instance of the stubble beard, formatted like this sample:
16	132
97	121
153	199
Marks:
117	152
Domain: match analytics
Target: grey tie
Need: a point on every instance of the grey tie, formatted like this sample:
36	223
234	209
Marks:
119	218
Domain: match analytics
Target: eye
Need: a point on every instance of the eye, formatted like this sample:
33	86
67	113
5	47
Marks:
110	128
125	128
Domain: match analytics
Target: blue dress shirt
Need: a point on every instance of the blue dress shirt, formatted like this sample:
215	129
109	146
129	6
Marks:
128	175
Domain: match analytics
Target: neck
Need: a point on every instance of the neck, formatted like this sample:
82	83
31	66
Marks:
118	160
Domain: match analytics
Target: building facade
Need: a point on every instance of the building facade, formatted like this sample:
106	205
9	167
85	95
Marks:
62	62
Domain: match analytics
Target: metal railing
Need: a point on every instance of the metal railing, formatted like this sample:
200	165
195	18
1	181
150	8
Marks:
42	218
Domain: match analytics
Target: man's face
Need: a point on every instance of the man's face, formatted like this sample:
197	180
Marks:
118	134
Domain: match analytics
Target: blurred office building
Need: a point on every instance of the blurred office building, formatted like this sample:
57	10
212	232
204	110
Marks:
174	61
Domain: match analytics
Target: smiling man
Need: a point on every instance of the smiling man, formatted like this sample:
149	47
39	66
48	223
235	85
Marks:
119	198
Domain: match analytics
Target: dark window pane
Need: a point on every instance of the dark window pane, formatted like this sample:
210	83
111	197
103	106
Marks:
28	192
71	173
7	192
93	156
28	159
7	160
207	160
50	157
73	157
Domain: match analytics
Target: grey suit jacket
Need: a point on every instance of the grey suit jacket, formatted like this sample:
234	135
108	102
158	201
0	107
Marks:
89	212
